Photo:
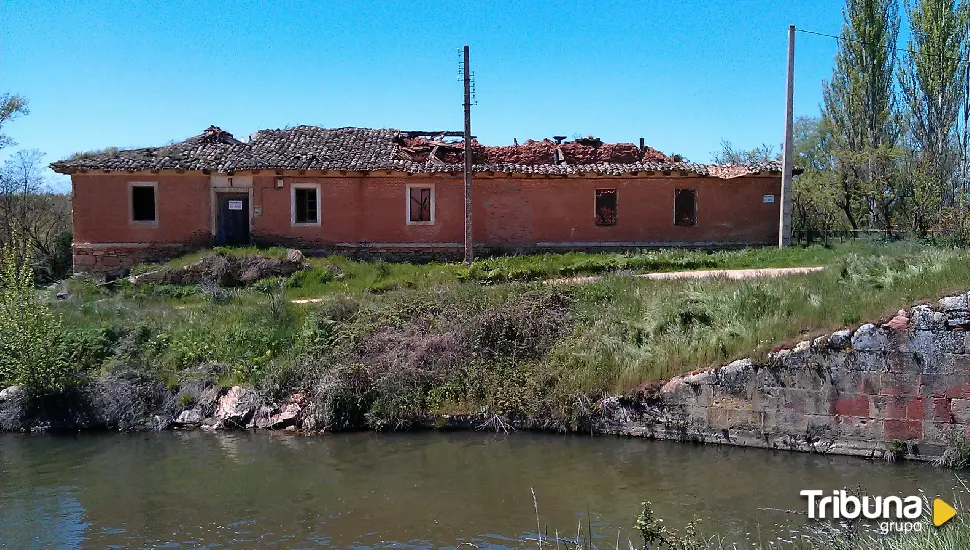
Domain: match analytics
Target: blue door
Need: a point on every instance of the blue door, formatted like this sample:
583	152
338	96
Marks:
233	222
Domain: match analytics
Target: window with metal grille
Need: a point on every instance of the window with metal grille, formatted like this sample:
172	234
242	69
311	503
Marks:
685	207
305	205
420	204
605	209
143	203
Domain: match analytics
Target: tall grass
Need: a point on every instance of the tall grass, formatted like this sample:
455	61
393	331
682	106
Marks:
630	330
401	342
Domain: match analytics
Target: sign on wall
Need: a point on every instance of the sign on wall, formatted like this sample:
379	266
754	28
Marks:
235	205
767	199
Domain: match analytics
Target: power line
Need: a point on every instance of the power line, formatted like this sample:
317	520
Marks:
844	39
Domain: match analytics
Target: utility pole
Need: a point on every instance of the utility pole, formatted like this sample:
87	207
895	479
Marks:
469	253
784	222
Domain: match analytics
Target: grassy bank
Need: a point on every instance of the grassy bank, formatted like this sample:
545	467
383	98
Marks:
390	345
340	275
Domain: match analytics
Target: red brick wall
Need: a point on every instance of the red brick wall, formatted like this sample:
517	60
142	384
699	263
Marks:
101	209
510	212
525	211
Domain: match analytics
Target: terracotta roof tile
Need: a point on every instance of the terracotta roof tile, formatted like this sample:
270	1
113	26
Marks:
365	149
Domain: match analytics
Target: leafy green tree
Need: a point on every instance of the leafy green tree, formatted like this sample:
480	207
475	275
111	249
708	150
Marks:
815	190
932	79
861	108
33	351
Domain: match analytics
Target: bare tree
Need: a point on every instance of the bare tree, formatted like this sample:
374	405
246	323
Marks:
31	215
730	155
11	107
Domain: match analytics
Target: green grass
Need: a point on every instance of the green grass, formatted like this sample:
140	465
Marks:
340	275
410	340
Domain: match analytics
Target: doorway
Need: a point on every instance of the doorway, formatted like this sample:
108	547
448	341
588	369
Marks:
232	223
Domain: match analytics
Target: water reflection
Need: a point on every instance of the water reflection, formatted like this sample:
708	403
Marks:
190	489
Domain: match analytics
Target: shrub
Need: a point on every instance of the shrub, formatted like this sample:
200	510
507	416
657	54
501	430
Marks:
33	351
956	455
127	400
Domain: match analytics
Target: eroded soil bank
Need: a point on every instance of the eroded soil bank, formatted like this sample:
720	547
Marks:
896	388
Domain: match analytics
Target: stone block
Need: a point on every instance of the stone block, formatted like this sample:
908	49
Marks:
955	387
925	319
855	405
840	339
860	428
954	303
939	432
954	363
916	408
960	410
868	361
905	430
869	337
899	384
882	407
941	410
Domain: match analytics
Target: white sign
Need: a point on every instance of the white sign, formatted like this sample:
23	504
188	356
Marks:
768	199
235	205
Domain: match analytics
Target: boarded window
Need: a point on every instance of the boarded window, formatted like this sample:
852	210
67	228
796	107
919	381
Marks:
143	203
685	207
605	207
305	206
419	209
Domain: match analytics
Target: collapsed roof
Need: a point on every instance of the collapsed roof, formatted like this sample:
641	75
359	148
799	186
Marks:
366	149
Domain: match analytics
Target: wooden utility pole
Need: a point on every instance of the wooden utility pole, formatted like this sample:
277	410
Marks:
469	252
784	222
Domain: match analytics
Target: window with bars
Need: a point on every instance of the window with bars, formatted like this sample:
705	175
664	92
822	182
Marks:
420	205
605	208
685	207
305	205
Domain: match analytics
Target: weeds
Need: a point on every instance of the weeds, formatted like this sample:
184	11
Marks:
956	455
429	343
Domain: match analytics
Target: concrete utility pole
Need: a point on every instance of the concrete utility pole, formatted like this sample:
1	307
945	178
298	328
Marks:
469	252
784	222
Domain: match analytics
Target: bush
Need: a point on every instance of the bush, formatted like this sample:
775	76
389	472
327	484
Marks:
33	350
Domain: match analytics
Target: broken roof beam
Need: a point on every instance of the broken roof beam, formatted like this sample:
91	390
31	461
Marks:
422	133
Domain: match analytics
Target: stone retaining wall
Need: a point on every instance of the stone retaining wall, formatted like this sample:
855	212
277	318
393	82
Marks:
119	258
900	388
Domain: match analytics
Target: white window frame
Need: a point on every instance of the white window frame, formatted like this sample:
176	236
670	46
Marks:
293	188
407	201
131	202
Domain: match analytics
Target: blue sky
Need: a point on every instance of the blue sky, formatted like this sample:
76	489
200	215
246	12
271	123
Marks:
682	74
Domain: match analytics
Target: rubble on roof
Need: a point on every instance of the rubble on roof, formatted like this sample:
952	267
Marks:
365	149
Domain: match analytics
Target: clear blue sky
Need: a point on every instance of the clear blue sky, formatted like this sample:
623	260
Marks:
682	74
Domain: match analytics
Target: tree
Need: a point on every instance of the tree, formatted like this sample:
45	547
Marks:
39	218
33	351
932	79
861	108
11	107
730	155
815	190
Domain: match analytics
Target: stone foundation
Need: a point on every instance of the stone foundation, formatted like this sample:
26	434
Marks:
119	258
899	388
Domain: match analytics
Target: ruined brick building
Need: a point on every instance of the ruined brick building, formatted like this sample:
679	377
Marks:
397	193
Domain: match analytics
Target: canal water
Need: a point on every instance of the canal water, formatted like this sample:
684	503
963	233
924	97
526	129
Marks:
424	490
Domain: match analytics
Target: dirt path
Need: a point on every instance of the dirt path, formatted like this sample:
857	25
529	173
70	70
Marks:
700	274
